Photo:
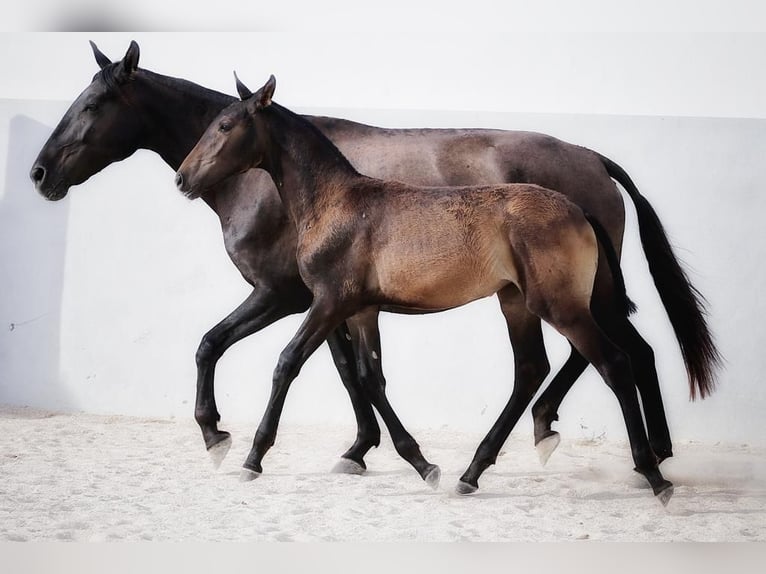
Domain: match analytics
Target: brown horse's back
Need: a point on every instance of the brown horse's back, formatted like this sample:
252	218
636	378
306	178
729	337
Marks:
438	248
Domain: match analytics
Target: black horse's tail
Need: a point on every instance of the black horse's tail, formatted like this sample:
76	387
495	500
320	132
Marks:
683	303
624	304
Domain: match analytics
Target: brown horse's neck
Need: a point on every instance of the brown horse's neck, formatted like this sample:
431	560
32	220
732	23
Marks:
176	113
306	167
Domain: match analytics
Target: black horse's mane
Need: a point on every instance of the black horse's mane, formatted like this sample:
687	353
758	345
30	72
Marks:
111	77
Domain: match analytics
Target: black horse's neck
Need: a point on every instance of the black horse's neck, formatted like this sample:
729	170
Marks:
306	167
175	113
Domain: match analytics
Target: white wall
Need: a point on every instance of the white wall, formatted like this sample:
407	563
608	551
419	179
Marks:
109	291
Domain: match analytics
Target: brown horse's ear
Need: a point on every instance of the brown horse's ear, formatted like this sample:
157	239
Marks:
242	89
129	63
263	96
101	59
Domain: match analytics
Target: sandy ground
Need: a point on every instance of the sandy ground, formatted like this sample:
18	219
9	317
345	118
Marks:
96	478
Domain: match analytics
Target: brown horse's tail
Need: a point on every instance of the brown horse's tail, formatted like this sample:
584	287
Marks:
683	303
624	304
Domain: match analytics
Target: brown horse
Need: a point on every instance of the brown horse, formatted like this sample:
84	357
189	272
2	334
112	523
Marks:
366	245
126	108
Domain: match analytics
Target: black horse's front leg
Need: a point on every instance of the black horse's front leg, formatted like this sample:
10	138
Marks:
262	308
545	410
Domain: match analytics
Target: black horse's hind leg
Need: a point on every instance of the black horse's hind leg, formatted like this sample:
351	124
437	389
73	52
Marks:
622	332
368	430
531	368
262	308
614	365
545	409
651	397
366	338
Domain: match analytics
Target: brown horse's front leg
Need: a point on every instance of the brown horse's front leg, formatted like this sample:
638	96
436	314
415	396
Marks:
366	338
262	308
368	430
531	368
322	318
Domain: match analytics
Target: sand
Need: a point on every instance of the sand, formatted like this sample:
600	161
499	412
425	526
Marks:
84	477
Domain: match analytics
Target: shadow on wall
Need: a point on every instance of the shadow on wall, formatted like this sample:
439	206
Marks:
32	249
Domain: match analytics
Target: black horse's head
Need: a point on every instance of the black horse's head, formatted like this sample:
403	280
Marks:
99	128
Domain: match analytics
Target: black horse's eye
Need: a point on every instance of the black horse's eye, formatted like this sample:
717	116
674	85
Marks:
91	107
224	127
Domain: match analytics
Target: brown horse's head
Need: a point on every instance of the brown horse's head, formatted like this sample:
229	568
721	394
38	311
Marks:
98	128
233	143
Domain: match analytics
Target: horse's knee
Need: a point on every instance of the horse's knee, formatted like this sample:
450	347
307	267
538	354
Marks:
373	384
286	369
208	350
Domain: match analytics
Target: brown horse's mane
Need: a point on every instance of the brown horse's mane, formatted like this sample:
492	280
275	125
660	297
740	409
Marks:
329	151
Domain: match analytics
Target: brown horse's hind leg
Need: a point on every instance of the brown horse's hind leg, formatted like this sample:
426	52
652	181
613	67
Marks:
614	365
366	338
531	368
368	430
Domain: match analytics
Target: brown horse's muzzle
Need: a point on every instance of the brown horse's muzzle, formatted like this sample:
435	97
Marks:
183	185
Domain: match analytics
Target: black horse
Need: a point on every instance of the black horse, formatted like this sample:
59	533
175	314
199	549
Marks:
126	108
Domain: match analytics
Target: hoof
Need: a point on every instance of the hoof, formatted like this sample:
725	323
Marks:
665	495
433	477
218	451
247	475
465	489
348	466
546	447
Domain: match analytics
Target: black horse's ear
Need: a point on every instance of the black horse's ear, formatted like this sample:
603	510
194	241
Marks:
101	59
263	96
242	89
129	63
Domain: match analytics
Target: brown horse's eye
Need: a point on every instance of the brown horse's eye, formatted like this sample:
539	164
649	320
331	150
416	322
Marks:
224	127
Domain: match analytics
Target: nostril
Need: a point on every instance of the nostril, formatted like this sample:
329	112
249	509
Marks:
179	180
37	174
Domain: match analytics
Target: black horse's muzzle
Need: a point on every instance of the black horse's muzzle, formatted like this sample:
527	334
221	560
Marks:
37	175
41	178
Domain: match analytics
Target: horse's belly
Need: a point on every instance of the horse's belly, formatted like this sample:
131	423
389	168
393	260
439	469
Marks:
444	281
